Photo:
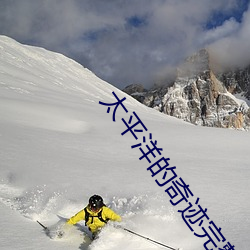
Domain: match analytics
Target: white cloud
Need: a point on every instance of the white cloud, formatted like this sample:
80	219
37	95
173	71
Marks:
97	32
228	28
233	49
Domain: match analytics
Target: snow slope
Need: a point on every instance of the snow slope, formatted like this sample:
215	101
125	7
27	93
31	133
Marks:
59	146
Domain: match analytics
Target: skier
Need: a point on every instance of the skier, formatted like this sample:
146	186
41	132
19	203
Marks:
95	214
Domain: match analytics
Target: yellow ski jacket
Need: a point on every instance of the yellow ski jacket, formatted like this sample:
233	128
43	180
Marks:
94	223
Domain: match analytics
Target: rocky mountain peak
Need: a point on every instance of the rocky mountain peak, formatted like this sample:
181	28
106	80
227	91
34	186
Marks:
196	64
200	96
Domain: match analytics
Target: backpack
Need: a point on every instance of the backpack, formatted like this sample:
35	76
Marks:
88	216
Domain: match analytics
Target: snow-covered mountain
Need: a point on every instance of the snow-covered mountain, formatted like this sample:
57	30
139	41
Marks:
59	146
201	95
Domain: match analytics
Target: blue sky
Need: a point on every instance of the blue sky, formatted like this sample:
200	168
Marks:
218	17
131	41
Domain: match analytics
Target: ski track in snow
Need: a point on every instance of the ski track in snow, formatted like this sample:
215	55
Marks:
43	117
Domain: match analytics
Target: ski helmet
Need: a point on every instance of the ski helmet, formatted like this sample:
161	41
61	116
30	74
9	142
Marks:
96	202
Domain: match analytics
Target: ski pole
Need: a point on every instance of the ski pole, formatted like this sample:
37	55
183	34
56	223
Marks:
148	239
45	228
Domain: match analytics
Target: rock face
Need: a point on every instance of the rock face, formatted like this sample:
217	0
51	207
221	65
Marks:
136	90
237	81
201	97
